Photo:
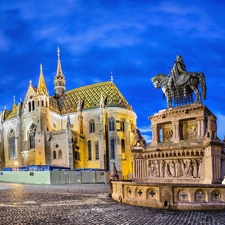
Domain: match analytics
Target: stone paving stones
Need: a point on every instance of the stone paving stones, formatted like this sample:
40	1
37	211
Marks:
86	204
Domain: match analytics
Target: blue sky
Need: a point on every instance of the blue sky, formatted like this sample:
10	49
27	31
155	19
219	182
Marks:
133	39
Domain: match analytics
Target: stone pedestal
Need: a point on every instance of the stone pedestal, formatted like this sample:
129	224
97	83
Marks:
184	148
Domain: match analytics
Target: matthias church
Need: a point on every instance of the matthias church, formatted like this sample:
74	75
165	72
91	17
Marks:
90	127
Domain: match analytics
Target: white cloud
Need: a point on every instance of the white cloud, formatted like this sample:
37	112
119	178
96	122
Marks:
144	129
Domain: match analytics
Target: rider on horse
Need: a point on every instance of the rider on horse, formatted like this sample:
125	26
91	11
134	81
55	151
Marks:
179	75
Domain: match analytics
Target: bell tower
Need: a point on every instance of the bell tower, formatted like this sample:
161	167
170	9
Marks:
59	80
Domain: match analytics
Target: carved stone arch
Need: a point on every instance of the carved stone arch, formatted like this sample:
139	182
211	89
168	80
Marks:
183	195
151	193
138	192
199	195
30	160
216	195
129	191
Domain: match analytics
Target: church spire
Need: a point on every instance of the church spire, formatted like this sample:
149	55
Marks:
42	89
59	80
59	67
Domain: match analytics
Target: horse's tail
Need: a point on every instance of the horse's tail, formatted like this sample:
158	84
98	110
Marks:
203	84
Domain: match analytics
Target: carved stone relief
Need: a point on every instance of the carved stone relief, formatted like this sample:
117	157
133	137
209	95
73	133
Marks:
167	132
178	168
190	129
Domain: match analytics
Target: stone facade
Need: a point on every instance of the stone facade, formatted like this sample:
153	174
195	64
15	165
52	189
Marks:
87	127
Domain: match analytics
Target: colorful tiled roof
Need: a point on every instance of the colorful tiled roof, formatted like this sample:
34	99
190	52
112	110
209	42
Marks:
90	97
11	114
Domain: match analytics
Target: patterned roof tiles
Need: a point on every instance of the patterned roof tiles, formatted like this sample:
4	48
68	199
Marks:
90	97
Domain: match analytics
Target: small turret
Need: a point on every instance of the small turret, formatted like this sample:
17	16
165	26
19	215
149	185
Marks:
42	89
59	80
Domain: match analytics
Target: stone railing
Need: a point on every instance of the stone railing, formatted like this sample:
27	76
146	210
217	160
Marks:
170	196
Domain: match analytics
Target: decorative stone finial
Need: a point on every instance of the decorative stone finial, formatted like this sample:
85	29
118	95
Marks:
14	99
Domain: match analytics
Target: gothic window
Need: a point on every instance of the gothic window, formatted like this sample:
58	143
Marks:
12	147
92	126
112	148
111	124
32	133
33	105
96	150
29	106
42	103
122	124
123	149
60	154
38	103
89	150
54	154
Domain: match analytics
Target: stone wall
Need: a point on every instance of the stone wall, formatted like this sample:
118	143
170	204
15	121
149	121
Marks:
170	196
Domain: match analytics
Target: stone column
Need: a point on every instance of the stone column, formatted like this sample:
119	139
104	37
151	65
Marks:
212	165
155	135
176	131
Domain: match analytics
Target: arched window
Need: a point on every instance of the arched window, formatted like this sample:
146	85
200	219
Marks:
42	103
60	154
122	124
111	124
33	105
89	150
54	154
38	103
29	106
12	147
112	148
96	150
91	126
32	133
123	149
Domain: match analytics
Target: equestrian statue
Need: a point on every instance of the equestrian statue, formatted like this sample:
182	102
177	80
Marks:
179	85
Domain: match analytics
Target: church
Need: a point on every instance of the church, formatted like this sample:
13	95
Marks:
90	127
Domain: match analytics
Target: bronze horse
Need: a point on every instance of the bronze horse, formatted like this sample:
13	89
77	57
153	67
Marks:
191	85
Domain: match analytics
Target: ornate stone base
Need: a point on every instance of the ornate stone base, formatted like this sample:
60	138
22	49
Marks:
170	196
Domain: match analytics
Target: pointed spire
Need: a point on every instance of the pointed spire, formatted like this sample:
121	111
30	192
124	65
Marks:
59	72
14	103
59	80
41	83
78	106
102	103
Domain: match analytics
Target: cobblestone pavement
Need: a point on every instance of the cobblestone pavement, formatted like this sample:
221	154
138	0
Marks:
86	204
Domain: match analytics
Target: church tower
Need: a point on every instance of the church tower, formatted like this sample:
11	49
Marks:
59	80
42	124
